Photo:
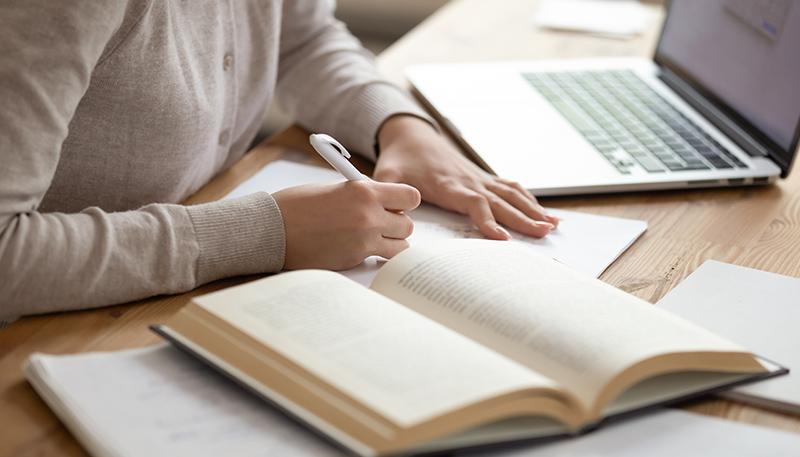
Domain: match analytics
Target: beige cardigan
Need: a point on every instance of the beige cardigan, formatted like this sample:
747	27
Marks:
112	112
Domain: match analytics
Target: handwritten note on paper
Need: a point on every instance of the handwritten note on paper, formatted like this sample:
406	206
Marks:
586	242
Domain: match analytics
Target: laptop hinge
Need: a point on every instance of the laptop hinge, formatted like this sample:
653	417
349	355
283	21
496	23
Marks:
725	124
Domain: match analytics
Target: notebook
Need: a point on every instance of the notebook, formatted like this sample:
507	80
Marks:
586	242
156	401
757	309
456	344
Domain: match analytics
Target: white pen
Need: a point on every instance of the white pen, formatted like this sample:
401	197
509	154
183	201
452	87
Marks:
336	155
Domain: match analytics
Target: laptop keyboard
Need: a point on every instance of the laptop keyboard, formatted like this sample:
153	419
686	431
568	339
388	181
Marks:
629	123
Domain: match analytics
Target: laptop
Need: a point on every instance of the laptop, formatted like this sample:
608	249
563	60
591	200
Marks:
718	105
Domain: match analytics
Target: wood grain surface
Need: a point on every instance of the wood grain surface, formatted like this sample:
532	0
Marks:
755	227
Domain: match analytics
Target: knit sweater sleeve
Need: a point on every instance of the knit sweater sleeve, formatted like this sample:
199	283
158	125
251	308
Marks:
52	261
328	81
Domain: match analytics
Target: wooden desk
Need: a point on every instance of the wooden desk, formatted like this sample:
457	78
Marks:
756	227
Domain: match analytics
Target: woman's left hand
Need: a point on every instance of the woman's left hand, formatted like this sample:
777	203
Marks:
414	153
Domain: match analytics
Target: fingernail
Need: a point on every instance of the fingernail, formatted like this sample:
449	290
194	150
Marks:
503	232
548	225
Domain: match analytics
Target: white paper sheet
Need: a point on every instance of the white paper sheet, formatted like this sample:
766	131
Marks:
612	18
586	242
158	401
757	309
669	433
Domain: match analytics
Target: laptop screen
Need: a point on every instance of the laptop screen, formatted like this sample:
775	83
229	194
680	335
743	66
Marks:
743	53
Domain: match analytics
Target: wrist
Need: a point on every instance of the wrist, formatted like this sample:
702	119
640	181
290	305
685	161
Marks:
402	126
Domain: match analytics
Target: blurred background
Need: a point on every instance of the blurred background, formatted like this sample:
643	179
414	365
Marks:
377	24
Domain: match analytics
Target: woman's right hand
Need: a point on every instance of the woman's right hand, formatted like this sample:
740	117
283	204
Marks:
337	226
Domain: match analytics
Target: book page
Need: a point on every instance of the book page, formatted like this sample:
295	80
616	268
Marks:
386	356
571	328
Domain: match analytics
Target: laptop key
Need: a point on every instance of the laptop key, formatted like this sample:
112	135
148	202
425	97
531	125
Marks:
696	165
650	164
728	154
717	161
734	159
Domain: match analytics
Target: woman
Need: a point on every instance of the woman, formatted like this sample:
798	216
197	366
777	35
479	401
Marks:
112	112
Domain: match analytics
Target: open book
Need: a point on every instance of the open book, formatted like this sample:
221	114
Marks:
456	344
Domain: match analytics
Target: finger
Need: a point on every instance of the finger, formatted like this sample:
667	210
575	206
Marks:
390	247
397	197
517	199
516	220
477	208
518	187
527	194
398	226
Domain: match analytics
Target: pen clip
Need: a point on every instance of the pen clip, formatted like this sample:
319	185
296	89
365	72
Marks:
341	151
334	144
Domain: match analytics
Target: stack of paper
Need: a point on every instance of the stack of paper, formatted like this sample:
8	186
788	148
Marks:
158	401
